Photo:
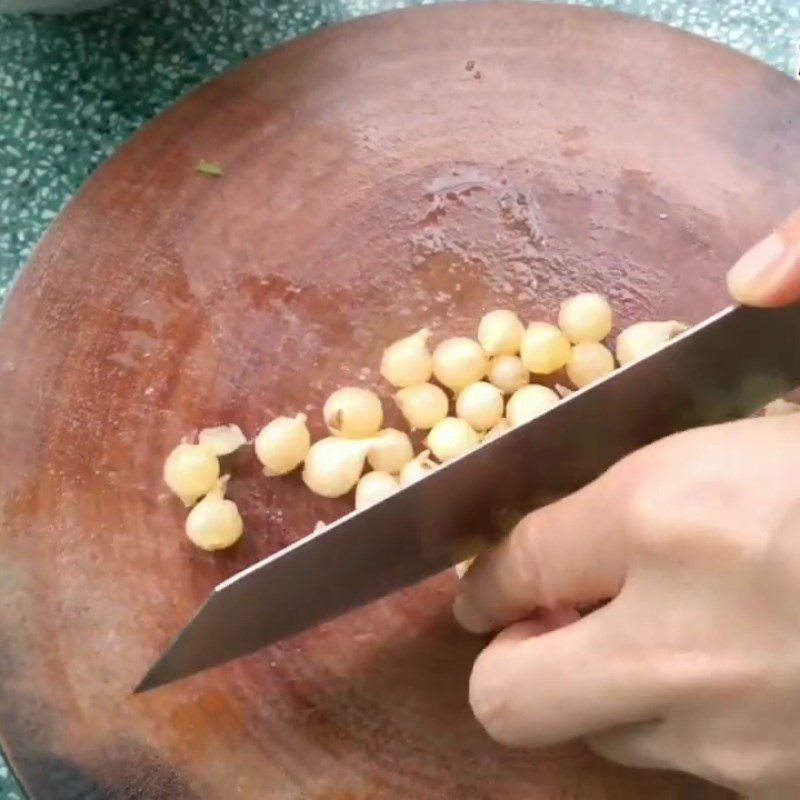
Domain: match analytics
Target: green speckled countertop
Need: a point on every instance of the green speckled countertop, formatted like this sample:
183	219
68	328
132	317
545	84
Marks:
72	88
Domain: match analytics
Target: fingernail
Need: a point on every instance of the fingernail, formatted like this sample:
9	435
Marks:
468	617
755	274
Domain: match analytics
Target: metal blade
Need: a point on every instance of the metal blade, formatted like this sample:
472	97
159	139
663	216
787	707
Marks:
723	369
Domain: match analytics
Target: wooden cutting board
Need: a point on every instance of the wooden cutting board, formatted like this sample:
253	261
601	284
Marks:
412	168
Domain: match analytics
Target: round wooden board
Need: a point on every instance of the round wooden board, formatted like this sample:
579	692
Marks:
376	180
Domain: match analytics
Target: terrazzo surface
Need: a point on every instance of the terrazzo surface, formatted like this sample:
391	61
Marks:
73	88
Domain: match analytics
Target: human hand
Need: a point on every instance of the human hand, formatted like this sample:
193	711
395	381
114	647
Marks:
694	664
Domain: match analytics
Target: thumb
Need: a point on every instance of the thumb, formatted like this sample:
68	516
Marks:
769	273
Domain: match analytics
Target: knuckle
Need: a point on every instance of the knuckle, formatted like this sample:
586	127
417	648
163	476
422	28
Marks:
665	510
727	679
648	517
525	576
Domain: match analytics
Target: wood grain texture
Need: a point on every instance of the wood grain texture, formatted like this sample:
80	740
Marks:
373	183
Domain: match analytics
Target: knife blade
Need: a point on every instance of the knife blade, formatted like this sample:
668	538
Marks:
722	369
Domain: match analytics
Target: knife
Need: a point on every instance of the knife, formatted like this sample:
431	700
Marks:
722	369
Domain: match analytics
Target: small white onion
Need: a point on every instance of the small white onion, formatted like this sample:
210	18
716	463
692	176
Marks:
544	349
529	402
450	438
481	405
390	451
418	468
190	471
588	362
586	317
214	523
459	362
374	487
222	440
500	332
353	412
508	373
408	361
422	406
334	465
282	445
643	338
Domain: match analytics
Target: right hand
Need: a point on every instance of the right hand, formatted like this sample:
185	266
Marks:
694	664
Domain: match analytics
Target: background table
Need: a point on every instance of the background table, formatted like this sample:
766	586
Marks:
73	88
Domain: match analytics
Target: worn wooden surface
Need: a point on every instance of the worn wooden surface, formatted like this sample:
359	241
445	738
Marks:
375	180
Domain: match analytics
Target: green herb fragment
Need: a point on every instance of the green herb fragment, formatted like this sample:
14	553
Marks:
209	168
